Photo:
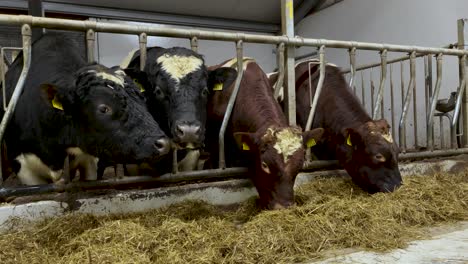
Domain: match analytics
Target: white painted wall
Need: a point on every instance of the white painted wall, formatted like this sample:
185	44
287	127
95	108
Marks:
114	47
417	22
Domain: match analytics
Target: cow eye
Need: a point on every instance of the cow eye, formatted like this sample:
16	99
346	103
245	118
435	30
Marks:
205	92
265	167
104	109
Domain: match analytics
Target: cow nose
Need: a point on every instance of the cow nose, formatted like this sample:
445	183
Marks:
187	132
163	146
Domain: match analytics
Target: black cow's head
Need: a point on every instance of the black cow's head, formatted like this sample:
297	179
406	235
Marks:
175	84
279	156
110	115
371	157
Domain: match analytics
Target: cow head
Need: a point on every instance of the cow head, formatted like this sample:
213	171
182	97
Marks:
371	157
175	85
279	156
110	115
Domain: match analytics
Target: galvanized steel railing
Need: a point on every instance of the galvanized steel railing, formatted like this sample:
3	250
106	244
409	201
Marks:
143	31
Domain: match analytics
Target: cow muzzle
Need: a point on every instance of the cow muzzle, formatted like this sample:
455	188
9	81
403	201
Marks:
187	134
163	146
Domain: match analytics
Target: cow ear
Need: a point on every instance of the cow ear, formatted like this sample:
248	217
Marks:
352	137
51	94
245	141
310	138
140	78
221	78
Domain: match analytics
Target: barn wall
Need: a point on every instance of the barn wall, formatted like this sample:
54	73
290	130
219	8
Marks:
114	47
424	23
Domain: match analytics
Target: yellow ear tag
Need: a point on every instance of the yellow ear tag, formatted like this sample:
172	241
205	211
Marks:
139	85
311	142
245	146
218	87
348	141
56	104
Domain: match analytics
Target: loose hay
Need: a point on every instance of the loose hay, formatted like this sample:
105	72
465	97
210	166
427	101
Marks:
333	214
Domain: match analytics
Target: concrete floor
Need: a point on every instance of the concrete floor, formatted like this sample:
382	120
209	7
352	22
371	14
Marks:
447	248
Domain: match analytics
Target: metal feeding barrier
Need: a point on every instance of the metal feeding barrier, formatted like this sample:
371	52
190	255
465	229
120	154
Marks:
285	75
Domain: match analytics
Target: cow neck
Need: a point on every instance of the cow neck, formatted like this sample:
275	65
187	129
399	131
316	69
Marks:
257	102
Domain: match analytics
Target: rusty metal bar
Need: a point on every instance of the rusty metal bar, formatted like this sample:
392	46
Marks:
402	125
142	40
280	60
26	33
230	106
90	44
460	92
151	30
204	175
435	96
383	77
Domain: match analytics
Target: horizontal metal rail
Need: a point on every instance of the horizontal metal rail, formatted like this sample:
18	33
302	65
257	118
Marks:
323	164
78	25
204	175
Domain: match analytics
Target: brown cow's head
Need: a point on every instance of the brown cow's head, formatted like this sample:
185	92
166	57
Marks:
279	156
371	157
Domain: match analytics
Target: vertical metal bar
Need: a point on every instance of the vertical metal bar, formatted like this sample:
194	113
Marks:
402	125
280	81
363	90
287	26
441	129
318	90
142	39
402	90
2	75
230	106
372	87
194	44
456	111
461	45
415	113
175	167
90	38
383	76
26	32
430	115
392	100
35	8
352	62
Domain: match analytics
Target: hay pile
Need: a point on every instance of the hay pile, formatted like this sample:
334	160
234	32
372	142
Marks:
333	214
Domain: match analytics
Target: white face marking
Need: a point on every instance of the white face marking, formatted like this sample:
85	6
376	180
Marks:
117	78
179	66
388	137
287	142
33	171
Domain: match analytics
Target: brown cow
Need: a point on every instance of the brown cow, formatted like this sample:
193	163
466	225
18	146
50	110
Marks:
273	150
364	147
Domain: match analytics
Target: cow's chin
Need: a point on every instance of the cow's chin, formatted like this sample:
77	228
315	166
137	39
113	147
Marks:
380	180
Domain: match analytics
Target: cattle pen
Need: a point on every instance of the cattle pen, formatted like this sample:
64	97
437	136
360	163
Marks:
400	105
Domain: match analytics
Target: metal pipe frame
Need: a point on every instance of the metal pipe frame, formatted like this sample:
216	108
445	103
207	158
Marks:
79	25
402	125
318	90
206	175
383	77
194	44
372	88
230	106
352	63
142	40
3	72
392	100
415	112
280	81
402	89
435	96
456	111
363	91
90	41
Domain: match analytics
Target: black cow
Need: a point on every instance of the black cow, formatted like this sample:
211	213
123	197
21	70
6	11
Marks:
69	104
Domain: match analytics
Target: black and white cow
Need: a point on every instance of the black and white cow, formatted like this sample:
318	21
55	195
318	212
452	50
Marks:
175	83
67	104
